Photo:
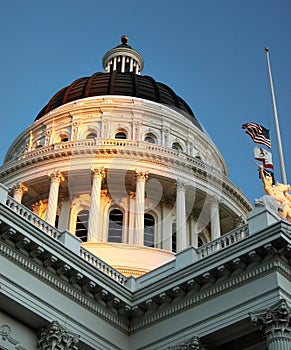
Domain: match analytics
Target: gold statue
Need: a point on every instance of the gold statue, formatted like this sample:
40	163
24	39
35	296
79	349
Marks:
279	192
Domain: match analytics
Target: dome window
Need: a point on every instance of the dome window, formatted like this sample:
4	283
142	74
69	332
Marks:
82	225
92	135
115	226
149	230
150	138
176	146
121	135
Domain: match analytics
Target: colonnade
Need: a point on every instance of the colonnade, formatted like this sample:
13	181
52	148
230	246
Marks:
95	215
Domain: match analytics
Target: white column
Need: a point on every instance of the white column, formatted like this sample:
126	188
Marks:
64	214
141	177
181	217
166	226
52	206
18	191
137	68
94	212
114	63
131	218
123	64
194	230
131	65
214	217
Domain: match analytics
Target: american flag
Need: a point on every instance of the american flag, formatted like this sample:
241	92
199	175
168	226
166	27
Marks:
258	133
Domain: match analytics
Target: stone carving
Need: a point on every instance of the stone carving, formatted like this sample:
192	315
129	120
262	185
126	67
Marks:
192	344
278	192
5	335
275	323
56	337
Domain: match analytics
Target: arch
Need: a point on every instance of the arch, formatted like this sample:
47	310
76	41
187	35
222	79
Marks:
81	230
121	134
115	225
63	136
177	146
91	135
150	137
149	230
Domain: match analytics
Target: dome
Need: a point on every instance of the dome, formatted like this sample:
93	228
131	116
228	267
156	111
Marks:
122	77
117	83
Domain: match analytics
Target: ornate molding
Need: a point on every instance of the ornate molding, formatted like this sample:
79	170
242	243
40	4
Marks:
192	344
5	334
275	322
56	337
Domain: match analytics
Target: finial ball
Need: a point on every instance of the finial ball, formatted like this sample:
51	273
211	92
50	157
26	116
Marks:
124	39
266	49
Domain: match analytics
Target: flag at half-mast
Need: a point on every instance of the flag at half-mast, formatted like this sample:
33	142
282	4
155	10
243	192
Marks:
258	133
264	156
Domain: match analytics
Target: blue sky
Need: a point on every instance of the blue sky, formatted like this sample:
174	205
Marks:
210	52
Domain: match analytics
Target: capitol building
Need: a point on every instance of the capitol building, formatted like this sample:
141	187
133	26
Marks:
121	230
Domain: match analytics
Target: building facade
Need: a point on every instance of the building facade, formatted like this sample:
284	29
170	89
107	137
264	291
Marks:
120	228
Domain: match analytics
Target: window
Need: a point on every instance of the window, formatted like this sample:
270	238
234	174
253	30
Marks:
150	138
149	230
121	135
115	226
92	135
176	146
82	225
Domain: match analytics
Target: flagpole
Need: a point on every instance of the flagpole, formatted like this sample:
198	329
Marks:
279	142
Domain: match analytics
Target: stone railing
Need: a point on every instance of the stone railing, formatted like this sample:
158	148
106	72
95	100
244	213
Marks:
34	219
223	241
102	266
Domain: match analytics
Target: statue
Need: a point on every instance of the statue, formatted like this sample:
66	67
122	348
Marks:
279	192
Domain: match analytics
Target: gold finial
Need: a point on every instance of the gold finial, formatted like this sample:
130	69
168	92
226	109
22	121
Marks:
266	49
124	39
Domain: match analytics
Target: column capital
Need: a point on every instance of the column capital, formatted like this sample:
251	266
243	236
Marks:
141	175
19	187
54	336
275	321
57	176
98	173
193	344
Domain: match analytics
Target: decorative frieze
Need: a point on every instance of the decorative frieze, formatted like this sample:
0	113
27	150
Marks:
56	337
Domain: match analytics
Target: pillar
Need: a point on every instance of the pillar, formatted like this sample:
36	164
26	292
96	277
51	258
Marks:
214	217
18	191
166	225
52	206
275	323
94	212
65	213
54	336
181	216
141	178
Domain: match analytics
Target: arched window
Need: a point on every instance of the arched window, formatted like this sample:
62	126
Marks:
121	135
92	135
150	138
82	225
115	226
149	230
176	146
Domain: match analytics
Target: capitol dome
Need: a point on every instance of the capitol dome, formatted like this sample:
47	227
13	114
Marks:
121	163
123	81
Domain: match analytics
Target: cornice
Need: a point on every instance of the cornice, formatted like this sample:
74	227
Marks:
177	290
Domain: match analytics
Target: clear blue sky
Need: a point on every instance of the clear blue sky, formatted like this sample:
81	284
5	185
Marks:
210	52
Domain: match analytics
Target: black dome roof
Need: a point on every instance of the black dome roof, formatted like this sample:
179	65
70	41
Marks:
117	83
